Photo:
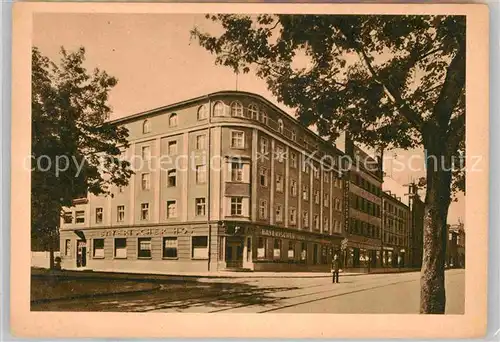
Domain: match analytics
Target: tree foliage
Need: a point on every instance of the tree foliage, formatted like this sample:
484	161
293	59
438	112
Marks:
69	108
391	81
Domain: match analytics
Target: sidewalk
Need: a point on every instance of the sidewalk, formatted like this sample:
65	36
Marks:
186	276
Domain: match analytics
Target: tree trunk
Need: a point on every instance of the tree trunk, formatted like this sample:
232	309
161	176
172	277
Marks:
437	201
51	252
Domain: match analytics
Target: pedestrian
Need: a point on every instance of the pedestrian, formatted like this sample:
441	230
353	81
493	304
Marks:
335	269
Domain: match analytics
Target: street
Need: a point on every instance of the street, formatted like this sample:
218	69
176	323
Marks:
374	293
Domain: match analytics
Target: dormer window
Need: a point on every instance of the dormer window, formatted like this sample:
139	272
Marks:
237	109
202	112
146	127
218	109
253	111
280	126
172	120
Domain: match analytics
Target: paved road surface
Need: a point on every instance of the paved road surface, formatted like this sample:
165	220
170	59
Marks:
377	293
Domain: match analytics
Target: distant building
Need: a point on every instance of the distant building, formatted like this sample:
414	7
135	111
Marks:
416	231
455	246
395	232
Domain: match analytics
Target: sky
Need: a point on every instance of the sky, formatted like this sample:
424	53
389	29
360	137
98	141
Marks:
156	64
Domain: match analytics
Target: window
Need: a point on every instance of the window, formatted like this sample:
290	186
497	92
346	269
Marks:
68	217
279	183
202	112
261	248
236	172
337	204
236	109
305	193
326	177
263	117
316	222
263	177
326	200
171	209
80	216
293	160
316	197
98	215
277	249
67	247
305	219
120	248
237	139
170	247
120	213
280	126
236	206
172	147
201	174
294	135
291	250
263	209
199	247
146	126
218	109
264	146
316	172
279	213
172	120
305	167
293	187
144	211
144	248
98	248
280	154
201	142
200	206
253	111
145	181
326	226
293	216
146	153
172	178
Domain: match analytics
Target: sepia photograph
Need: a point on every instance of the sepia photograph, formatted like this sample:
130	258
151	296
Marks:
259	161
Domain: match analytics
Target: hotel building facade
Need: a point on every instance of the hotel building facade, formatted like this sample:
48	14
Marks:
222	181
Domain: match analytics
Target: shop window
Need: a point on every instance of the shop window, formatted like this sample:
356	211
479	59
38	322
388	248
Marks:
98	215
67	247
291	250
98	251
170	247
68	217
277	249
261	248
80	216
303	252
120	248
144	248
199	247
324	254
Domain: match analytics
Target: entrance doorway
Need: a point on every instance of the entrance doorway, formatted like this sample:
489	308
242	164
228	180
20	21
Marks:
81	253
234	252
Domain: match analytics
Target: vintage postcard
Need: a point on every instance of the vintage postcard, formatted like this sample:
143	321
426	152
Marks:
303	166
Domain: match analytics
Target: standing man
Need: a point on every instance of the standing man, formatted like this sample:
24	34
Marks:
335	269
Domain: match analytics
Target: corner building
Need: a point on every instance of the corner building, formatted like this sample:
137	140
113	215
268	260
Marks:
226	182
